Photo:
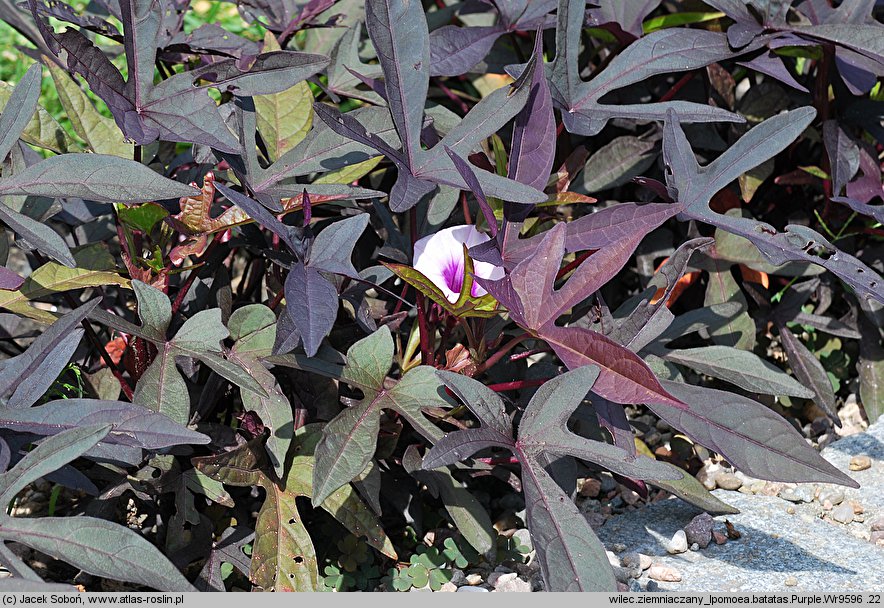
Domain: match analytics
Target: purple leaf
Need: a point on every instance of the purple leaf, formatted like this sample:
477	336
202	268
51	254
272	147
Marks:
624	378
859	73
20	369
44	375
772	65
532	279
628	15
456	50
64	446
19	109
647	320
333	247
269	72
695	188
487	405
312	305
612	417
843	155
527	292
461	445
749	435
466	172
533	147
661	52
598	230
808	369
98	547
524	14
132	425
97	177
398	30
570	555
212	39
10	281
260	214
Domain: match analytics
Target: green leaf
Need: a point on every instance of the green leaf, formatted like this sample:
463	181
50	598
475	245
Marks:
240	467
98	547
676	19
96	177
468	515
162	388
344	504
100	133
483	307
871	372
142	217
94	268
283	557
52	454
284	118
255	328
742	368
350	173
197	481
43	130
690	490
617	162
349	440
154	310
739	331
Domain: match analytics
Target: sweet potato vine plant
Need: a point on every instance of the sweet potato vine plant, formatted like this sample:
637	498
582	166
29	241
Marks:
302	277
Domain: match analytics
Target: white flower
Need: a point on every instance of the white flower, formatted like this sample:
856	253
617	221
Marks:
439	257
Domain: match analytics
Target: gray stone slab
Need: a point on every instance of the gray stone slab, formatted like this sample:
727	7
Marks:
776	544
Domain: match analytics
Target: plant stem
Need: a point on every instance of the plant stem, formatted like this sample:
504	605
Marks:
517	385
467	217
572	265
501	460
528	353
423	326
678	86
497	356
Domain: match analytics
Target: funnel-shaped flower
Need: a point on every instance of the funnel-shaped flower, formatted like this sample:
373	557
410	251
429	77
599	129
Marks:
439	257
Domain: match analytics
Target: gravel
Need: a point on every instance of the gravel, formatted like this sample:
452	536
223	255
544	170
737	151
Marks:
775	547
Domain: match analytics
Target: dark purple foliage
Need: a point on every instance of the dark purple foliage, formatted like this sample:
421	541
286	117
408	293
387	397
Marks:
238	293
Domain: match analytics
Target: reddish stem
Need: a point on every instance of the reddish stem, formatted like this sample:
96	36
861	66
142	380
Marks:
450	95
468	218
572	265
517	385
277	299
678	86
497	356
528	353
501	460
401	299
